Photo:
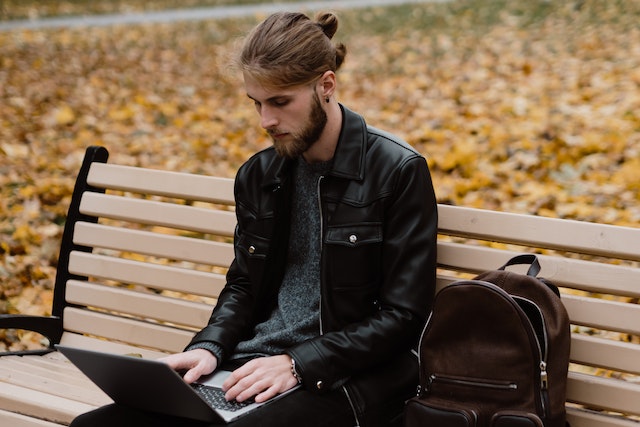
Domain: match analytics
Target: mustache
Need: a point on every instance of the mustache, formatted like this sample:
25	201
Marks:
274	131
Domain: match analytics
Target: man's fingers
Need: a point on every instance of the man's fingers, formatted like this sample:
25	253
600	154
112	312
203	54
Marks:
261	378
267	394
192	375
240	388
196	362
260	390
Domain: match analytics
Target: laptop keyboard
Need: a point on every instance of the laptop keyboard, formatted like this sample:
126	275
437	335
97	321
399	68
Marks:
215	398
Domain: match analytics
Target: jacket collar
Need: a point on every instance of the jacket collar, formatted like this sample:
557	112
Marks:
348	160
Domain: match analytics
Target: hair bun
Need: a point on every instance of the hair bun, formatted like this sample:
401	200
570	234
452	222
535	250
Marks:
328	22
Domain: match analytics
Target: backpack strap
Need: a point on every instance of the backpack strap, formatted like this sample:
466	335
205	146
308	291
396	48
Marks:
531	259
534	269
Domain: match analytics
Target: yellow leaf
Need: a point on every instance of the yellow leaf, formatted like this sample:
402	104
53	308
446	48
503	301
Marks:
121	114
629	174
463	154
64	115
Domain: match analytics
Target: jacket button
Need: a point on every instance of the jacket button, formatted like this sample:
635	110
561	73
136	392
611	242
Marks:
353	238
319	385
252	249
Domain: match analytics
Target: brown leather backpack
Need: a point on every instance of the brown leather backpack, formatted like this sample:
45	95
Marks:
494	353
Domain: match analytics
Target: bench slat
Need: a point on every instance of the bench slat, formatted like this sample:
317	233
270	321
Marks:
152	275
155	244
146	305
159	213
604	393
602	314
605	353
11	419
565	272
536	231
68	388
162	182
32	364
40	405
72	339
125	330
60	366
585	418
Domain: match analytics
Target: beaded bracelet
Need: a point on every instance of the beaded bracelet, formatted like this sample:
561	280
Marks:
294	371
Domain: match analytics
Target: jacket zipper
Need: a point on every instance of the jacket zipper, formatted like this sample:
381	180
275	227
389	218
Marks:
418	353
321	250
353	408
344	387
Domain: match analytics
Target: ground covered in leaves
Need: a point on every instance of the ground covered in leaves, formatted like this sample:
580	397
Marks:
522	105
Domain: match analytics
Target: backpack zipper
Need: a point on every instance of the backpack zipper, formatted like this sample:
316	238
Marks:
470	382
542	357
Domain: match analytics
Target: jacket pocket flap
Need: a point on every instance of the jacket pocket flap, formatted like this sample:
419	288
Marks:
354	235
253	245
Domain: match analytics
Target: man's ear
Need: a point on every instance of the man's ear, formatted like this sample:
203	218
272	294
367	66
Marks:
327	84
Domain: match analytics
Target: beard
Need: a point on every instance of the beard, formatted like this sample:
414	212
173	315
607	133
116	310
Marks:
303	139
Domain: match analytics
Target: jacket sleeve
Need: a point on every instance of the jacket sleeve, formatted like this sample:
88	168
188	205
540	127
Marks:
234	312
230	318
406	289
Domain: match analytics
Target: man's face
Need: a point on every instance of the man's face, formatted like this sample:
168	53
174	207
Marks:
293	117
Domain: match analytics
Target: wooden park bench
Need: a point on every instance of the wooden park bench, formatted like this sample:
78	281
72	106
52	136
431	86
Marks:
141	265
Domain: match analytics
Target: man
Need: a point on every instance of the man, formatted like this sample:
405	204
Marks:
335	251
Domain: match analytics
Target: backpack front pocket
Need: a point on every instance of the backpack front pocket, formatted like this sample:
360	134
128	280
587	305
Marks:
419	413
515	419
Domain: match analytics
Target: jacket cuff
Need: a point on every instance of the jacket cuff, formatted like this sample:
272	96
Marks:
212	347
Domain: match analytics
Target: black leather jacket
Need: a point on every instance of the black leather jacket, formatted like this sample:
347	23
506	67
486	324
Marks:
379	223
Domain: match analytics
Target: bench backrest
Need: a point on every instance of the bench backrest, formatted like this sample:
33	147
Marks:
147	255
148	251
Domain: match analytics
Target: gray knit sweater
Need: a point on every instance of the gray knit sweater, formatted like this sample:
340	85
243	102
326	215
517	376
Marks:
296	317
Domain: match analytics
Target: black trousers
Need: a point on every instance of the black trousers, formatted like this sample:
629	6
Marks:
300	408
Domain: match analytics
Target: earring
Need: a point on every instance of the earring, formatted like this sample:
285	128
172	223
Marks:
326	100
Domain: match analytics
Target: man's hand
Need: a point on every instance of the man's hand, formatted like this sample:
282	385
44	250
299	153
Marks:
196	362
263	378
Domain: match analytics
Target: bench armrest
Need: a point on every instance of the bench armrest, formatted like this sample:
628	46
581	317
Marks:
49	326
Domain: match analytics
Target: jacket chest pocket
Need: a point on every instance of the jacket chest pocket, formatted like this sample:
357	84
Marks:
354	255
251	254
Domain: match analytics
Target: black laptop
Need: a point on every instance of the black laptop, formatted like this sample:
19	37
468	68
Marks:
154	386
